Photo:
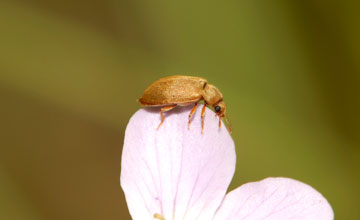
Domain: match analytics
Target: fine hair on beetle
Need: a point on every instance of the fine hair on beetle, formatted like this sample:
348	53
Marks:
177	90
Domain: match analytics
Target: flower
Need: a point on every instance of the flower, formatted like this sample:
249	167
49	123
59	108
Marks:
178	174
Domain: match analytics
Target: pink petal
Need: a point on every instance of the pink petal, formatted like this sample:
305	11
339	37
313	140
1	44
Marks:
173	171
275	199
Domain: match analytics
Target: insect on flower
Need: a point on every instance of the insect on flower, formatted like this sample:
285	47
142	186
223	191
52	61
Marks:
172	91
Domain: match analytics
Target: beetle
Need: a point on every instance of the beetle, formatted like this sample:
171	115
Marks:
178	90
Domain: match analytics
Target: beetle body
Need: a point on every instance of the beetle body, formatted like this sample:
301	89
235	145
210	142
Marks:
172	91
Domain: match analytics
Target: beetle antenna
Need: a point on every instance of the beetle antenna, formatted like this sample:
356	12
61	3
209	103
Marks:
228	124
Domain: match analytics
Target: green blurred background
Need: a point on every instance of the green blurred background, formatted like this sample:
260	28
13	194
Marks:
70	72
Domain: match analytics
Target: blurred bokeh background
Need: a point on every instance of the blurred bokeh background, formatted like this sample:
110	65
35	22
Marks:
70	72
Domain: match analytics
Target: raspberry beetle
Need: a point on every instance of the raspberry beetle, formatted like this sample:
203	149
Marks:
177	90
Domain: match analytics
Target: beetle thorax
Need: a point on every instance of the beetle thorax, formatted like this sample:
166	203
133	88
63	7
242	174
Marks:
211	94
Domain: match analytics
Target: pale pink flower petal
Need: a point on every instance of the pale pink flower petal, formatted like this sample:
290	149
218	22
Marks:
173	171
275	199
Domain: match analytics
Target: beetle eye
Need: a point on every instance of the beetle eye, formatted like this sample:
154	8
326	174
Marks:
217	108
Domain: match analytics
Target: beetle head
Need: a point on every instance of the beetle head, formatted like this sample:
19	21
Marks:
220	109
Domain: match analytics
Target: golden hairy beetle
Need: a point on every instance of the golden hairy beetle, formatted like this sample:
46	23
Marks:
172	91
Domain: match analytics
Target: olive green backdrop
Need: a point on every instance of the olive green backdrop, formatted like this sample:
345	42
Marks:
70	72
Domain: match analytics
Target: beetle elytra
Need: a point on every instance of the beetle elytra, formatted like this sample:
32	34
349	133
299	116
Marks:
172	91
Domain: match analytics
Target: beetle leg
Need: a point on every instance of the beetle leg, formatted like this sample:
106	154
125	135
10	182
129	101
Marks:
191	114
219	121
158	216
202	118
228	124
165	109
